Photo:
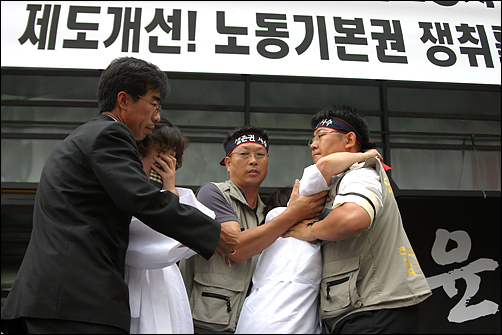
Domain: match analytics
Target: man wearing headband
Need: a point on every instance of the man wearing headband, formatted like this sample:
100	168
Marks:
371	280
217	292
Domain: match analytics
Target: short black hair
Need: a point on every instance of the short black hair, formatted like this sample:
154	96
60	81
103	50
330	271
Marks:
279	198
133	76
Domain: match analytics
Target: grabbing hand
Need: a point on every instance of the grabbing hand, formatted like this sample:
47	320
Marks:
373	153
301	231
306	207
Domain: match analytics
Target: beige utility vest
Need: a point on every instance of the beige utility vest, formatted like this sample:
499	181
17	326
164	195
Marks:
375	269
217	292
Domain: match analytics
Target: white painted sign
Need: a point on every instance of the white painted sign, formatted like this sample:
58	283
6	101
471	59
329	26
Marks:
464	310
432	41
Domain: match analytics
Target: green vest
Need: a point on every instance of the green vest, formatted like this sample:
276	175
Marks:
375	269
217	292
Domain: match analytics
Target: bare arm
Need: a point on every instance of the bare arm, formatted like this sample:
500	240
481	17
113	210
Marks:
253	241
338	162
342	223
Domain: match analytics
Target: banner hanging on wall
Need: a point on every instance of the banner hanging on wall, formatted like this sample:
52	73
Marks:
459	253
431	41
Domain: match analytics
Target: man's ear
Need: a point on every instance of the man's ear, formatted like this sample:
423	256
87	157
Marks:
227	163
123	99
351	140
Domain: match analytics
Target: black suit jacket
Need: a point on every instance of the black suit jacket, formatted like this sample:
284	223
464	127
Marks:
91	185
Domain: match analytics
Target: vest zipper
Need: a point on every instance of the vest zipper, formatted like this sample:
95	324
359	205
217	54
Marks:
333	283
219	296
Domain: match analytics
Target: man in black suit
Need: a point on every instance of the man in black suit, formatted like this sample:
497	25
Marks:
71	279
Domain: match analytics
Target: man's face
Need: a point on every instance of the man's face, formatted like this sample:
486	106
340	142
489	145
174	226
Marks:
141	115
247	172
326	141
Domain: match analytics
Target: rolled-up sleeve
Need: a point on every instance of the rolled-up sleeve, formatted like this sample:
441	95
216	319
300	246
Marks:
363	188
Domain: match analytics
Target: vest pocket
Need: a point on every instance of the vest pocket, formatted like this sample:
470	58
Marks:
338	287
215	307
219	296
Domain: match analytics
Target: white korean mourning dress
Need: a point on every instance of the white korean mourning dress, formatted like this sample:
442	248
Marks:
283	299
286	280
157	294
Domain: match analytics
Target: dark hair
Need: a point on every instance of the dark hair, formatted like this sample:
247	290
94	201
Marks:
133	76
279	198
242	130
166	136
347	114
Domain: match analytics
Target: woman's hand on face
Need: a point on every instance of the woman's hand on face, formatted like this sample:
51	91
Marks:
167	170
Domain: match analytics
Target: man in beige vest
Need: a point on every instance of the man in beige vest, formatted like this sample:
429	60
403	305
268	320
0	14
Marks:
217	292
371	279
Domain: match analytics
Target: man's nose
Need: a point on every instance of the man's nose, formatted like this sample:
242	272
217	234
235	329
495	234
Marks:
252	159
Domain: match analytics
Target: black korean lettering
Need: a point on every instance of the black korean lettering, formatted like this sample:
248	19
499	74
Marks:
192	24
489	4
29	33
262	20
323	38
309	32
443	36
231	47
466	34
432	56
496	33
263	44
309	35
175	31
350	28
396	38
128	25
131	25
117	19
484	50
54	27
427	32
442	33
81	42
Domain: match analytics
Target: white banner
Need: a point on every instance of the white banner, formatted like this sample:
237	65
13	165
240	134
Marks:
432	41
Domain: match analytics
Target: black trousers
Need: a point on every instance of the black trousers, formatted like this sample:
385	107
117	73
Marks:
55	326
385	321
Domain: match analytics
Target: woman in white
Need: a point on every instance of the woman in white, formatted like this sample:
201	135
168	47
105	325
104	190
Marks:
157	294
284	295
